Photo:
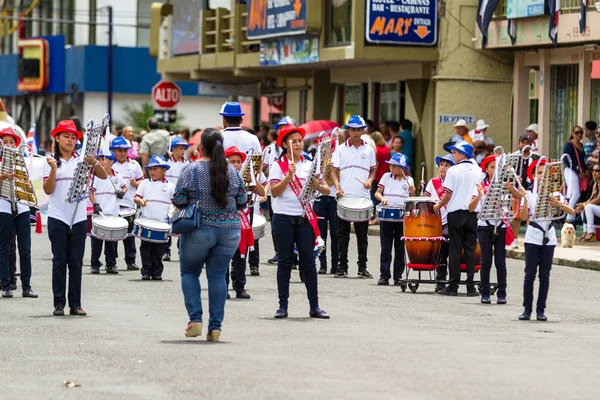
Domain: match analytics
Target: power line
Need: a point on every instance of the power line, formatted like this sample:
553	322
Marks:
70	21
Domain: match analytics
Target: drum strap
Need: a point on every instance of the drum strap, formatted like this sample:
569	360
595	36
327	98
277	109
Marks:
247	238
296	187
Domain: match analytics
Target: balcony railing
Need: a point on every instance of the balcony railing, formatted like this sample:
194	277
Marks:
566	6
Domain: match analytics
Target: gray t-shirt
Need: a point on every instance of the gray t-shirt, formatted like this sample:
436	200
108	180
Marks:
155	143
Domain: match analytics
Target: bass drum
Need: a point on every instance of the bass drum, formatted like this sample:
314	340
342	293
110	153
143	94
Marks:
421	222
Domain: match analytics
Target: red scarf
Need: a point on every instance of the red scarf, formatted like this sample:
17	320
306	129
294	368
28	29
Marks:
247	238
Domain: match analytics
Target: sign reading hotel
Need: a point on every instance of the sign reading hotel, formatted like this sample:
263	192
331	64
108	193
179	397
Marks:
403	22
270	18
524	8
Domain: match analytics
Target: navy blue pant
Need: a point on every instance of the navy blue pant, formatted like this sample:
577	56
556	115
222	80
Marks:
110	253
361	230
67	253
462	229
487	242
238	272
289	231
152	254
326	207
537	256
254	255
21	225
271	215
390	234
129	243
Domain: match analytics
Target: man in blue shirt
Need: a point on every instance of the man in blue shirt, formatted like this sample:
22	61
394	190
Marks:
408	142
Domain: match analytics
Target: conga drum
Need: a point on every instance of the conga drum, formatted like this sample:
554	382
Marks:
422	231
463	261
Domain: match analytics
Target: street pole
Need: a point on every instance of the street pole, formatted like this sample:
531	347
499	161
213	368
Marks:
110	60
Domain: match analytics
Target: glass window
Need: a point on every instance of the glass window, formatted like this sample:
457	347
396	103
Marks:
45	12
595	102
388	103
338	14
563	105
143	22
352	100
533	111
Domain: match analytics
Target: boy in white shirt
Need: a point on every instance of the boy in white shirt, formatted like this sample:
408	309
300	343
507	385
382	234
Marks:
106	201
154	197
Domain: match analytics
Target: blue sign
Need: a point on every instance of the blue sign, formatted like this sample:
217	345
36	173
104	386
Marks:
411	22
270	18
524	8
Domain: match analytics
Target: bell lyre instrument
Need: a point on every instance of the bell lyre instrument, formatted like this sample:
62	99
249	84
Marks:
550	185
250	171
317	168
19	189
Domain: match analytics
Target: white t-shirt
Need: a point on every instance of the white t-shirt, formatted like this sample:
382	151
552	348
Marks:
242	139
6	207
58	207
173	173
534	235
461	182
158	196
287	203
105	195
271	153
534	145
130	169
395	190
354	163
432	192
369	140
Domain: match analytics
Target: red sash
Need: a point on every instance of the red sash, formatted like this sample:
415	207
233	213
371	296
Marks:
247	239
296	187
437	185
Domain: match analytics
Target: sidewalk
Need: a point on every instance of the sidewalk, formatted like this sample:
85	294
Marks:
581	255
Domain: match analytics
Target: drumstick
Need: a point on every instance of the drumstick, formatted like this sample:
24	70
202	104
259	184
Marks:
108	177
359	181
422	177
291	151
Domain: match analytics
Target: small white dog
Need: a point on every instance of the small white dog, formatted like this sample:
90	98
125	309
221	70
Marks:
567	235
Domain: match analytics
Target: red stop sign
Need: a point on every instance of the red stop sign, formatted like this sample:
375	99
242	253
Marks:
166	94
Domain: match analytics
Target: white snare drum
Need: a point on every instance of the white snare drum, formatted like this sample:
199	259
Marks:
390	213
150	230
259	225
354	209
127	212
109	228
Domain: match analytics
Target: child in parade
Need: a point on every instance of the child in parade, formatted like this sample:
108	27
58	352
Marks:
66	221
393	189
105	200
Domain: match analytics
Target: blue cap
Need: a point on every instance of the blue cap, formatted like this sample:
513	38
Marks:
453	140
158	161
463	147
231	109
447	157
284	121
179	141
108	154
399	160
120	143
356	122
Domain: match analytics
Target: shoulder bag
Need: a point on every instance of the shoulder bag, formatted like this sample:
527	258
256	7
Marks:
584	181
188	219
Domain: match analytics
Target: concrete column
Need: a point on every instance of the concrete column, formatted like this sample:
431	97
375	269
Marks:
584	88
520	98
322	96
544	102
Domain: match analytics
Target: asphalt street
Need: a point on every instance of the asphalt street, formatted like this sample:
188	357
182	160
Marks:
380	343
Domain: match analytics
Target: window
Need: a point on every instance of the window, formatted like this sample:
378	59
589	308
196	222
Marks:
595	101
67	12
352	100
143	19
563	105
389	104
338	22
45	12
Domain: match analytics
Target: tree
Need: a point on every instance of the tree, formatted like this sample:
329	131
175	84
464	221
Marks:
137	117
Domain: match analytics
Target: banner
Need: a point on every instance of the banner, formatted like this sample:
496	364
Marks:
524	8
270	18
286	51
408	22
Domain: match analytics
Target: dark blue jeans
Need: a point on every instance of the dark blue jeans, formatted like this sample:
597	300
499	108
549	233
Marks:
21	224
67	253
536	255
288	231
390	234
110	253
326	207
487	242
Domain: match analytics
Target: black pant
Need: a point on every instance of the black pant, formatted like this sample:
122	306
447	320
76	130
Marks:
536	255
12	258
167	246
289	231
129	243
67	253
442	270
9	224
110	253
487	241
390	234
361	230
462	228
152	254
271	215
326	207
238	272
254	255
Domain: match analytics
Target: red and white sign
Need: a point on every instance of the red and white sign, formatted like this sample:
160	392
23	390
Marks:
166	95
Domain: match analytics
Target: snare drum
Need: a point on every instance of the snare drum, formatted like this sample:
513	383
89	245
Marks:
390	213
421	222
127	212
150	230
109	228
259	225
354	209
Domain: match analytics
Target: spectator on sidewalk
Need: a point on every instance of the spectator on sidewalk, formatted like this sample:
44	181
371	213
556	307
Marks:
155	142
408	142
533	131
589	143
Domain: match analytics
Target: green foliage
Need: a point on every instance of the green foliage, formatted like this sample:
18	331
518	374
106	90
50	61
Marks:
137	117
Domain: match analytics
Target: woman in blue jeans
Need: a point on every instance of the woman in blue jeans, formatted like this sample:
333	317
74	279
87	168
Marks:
221	193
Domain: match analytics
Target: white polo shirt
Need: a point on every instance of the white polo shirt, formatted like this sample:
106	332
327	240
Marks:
173	173
271	153
395	190
534	235
130	169
431	191
354	163
105	195
461	182
58	207
287	203
158	196
242	139
6	207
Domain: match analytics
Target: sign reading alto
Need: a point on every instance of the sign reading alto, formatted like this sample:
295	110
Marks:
270	18
166	96
404	22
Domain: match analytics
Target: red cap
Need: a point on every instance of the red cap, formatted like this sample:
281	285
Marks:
286	131
232	151
10	132
532	167
486	161
66	126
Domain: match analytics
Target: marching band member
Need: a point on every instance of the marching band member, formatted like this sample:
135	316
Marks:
66	221
354	169
106	201
234	135
177	163
154	196
293	223
131	172
393	189
540	241
14	218
435	190
459	187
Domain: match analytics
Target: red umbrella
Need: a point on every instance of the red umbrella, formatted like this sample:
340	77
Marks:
314	128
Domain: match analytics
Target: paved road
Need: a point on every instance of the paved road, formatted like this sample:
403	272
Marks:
379	343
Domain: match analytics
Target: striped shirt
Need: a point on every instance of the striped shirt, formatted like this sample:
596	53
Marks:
395	190
158	198
355	164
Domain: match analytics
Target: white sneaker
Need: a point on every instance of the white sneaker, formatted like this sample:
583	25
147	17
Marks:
513	245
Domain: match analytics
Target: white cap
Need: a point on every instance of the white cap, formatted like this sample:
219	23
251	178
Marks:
460	122
481	125
533	127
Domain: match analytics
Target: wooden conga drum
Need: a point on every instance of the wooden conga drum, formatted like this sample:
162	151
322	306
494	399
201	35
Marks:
421	222
463	260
